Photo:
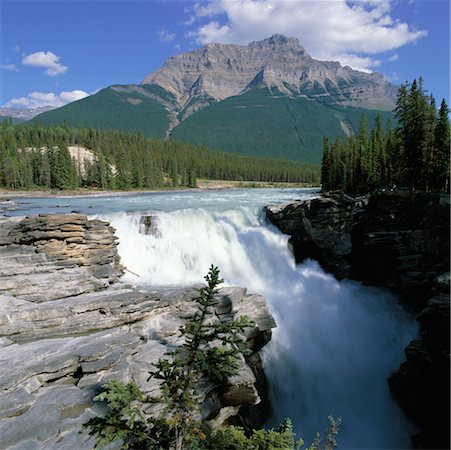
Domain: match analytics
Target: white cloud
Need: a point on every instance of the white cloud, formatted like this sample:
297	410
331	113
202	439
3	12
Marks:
10	67
48	60
165	36
351	32
393	58
38	99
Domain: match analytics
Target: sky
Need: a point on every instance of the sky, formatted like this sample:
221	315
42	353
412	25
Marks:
57	51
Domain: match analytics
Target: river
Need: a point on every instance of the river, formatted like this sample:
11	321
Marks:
336	342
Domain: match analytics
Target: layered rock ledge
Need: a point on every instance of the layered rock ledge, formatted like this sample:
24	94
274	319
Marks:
396	240
400	241
67	325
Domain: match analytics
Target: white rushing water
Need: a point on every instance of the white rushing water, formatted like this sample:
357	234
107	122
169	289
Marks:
336	342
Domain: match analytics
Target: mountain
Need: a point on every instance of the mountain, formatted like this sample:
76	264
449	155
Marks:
218	71
24	113
267	98
13	120
145	108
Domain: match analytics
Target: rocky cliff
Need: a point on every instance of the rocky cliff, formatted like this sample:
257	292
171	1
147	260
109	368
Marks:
218	71
400	241
397	240
67	325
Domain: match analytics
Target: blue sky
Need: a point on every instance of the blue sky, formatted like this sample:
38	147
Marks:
57	51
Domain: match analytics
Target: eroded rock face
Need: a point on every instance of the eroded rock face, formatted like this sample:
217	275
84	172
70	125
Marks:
217	71
422	382
57	350
396	240
400	241
48	257
318	229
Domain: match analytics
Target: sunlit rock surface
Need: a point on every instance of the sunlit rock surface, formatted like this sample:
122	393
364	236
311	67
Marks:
67	325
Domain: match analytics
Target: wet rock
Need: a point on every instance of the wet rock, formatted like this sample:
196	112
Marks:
396	240
149	225
318	229
400	241
422	382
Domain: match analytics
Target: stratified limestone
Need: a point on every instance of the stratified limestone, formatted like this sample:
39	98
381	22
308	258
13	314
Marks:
67	326
48	257
217	71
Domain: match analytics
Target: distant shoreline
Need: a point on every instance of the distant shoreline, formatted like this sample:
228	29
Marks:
201	185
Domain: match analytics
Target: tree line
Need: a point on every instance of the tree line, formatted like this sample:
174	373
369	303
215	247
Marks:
414	154
34	156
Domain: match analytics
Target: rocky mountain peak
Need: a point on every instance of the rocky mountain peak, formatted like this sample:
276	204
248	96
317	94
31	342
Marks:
217	71
279	41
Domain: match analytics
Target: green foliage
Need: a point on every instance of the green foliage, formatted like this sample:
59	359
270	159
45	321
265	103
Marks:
269	124
125	108
329	442
234	438
259	123
125	421
210	352
414	155
36	156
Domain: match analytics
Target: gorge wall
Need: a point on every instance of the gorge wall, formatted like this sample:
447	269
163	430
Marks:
68	324
399	241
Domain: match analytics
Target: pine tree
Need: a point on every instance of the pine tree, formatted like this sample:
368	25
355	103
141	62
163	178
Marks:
441	168
199	356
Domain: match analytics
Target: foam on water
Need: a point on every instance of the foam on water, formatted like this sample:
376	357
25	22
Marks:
336	342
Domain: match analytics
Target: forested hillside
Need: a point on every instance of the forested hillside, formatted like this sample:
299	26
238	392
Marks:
415	154
267	123
37	156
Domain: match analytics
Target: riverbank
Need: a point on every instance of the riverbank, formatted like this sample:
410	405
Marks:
201	185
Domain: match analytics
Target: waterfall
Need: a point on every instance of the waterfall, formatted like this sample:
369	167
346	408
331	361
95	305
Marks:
336	342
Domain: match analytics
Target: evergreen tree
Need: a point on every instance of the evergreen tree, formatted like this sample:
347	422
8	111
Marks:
210	352
416	155
197	357
440	169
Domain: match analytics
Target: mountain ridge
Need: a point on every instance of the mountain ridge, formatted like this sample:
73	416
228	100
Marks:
225	70
268	98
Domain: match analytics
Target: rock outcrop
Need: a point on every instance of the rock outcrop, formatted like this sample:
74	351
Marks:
399	240
320	229
422	382
48	257
63	336
396	240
